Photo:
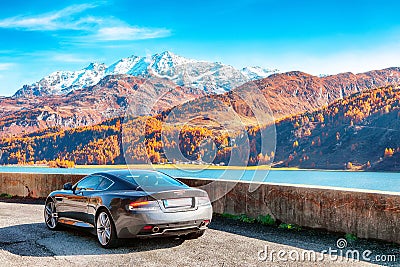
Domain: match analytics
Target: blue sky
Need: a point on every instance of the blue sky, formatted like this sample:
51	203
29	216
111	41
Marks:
318	37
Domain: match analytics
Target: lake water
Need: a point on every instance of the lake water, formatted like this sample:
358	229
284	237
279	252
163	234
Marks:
359	180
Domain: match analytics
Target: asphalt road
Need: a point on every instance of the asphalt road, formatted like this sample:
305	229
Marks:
25	241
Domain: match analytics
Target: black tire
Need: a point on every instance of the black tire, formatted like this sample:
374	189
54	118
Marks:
105	230
51	216
194	235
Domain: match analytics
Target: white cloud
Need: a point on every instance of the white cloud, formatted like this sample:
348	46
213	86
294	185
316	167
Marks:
52	21
64	57
129	33
92	28
6	66
69	58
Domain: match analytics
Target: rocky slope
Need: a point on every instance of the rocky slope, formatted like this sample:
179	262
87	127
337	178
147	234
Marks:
107	99
86	97
291	93
295	92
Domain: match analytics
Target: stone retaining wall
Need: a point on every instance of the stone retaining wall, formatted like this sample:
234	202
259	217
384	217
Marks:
366	214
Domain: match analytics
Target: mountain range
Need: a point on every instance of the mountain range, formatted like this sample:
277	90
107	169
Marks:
109	98
212	77
342	121
358	132
152	84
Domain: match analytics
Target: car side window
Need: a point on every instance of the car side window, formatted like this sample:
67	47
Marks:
89	183
104	184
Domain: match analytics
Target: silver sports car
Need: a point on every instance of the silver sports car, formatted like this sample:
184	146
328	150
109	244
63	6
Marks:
130	203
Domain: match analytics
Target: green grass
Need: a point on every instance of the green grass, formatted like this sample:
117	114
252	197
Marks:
246	219
230	216
241	217
350	237
289	226
5	195
261	219
266	220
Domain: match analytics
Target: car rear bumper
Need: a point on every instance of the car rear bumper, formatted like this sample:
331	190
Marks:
131	224
176	231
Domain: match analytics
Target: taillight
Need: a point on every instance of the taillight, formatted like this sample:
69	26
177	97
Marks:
203	201
138	204
143	205
147	227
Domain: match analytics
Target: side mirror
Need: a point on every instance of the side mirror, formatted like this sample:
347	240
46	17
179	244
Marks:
67	186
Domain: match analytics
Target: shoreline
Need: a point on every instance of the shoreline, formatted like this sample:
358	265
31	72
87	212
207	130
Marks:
192	167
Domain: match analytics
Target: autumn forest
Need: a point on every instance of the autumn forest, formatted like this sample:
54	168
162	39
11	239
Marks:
360	131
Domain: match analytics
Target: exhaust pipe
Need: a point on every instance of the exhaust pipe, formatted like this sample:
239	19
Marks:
205	223
155	229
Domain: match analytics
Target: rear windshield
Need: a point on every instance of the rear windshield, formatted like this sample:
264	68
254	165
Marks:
151	179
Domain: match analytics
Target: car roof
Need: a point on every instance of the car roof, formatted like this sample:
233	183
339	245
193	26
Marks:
118	176
124	172
121	174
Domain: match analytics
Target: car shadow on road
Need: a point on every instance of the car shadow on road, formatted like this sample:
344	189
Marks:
36	240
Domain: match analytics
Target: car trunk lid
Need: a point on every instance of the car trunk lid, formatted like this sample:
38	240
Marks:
176	200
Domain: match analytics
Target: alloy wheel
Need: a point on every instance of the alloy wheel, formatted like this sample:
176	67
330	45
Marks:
50	215
104	228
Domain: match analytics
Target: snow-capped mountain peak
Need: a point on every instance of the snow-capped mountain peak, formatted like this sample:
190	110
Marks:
255	73
212	77
94	66
123	66
171	59
166	62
